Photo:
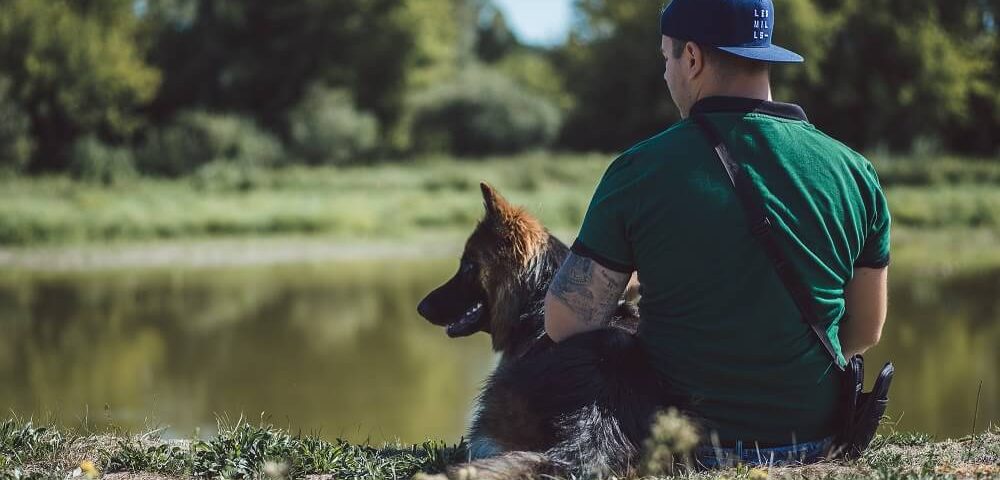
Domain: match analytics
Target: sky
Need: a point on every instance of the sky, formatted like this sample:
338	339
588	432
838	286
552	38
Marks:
538	22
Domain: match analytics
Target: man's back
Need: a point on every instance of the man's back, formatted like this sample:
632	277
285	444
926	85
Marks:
716	320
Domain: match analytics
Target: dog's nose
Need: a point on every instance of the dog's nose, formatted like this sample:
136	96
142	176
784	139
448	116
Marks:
424	308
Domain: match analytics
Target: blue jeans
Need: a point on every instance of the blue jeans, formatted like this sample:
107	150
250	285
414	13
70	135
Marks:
809	452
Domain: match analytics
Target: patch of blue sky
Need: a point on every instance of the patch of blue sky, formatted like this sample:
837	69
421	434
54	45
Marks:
538	22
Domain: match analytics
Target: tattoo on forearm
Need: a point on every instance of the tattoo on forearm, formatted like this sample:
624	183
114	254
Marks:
589	290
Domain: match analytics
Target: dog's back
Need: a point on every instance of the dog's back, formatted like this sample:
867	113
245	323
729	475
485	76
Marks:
586	403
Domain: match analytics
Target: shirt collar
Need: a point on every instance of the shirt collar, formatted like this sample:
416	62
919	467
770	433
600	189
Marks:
748	105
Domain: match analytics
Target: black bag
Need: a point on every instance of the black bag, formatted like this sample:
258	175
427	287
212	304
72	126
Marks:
860	412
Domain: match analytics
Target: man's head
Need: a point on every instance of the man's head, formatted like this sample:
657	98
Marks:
694	71
719	47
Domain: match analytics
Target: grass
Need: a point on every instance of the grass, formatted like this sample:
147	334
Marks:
384	201
240	450
259	450
399	200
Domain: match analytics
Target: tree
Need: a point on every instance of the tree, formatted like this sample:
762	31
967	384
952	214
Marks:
898	71
74	69
494	39
260	56
889	73
15	141
482	112
615	72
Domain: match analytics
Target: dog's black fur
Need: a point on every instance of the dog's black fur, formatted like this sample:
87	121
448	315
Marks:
581	407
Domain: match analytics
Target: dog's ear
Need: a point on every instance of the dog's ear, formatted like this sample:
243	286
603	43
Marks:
496	206
520	232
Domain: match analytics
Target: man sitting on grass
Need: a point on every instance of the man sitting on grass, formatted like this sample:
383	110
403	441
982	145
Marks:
716	320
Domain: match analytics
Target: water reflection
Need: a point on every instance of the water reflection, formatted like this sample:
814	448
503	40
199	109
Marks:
942	333
334	348
338	349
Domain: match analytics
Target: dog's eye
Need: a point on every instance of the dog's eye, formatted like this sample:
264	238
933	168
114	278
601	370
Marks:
466	267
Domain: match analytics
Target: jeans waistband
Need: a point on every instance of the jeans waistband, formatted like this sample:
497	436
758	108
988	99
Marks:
750	454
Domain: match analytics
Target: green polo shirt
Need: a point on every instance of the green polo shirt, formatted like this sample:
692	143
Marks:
716	320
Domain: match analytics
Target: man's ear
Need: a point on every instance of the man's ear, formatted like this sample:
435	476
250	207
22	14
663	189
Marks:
695	57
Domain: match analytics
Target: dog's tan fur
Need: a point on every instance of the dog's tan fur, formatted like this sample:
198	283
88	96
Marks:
505	242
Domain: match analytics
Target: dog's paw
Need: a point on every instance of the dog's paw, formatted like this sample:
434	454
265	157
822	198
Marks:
427	476
467	472
461	472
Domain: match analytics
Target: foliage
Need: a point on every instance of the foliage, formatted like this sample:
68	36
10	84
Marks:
482	112
936	171
877	74
672	439
361	45
22	442
241	450
223	176
441	41
245	450
133	455
197	138
616	76
15	143
535	72
391	200
115	69
919	80
396	200
325	128
93	161
75	67
494	39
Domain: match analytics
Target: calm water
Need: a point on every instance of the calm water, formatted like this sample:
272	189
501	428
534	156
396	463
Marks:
337	349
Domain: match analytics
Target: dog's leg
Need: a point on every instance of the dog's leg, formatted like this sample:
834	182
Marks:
508	466
511	465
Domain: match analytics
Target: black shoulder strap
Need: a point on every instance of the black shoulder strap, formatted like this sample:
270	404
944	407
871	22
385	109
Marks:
760	227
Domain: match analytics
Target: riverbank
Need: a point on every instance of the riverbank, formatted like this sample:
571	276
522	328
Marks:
248	450
927	250
400	201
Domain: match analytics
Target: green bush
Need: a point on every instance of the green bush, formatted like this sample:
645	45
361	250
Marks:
326	129
934	171
77	67
227	176
482	112
197	138
15	141
94	161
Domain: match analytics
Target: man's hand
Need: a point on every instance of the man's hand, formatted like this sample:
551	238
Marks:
582	297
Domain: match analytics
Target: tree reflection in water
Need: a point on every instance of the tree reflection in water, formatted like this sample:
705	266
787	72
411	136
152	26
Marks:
338	349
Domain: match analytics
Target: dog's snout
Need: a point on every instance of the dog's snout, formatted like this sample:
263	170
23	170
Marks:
424	309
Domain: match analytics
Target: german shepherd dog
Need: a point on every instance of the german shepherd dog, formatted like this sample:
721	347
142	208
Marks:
581	407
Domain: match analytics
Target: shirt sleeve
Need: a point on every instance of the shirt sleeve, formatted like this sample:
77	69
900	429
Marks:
603	236
875	252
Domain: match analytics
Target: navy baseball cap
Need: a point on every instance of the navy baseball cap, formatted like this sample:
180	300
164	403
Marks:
740	27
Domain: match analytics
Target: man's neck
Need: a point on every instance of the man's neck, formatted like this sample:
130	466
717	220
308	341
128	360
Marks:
758	88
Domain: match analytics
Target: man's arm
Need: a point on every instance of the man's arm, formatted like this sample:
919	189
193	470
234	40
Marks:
867	302
582	297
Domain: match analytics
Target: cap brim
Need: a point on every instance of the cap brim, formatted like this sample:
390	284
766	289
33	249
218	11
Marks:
772	54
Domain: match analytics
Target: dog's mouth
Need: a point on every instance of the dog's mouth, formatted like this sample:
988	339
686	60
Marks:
469	323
